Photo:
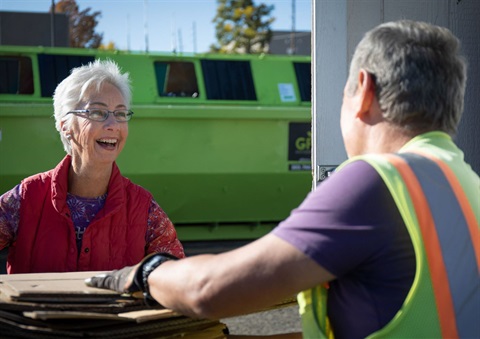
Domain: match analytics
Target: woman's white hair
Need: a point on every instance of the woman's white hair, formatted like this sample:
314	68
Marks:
82	81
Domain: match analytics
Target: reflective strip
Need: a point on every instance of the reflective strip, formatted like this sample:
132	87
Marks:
426	221
453	218
464	204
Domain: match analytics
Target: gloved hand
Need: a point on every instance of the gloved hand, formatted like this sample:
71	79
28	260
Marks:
115	280
131	278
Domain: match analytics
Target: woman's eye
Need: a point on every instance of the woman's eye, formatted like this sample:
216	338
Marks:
122	115
96	114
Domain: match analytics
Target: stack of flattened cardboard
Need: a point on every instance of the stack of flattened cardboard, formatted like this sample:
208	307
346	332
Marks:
60	305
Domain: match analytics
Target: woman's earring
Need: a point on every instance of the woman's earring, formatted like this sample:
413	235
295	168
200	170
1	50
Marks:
68	136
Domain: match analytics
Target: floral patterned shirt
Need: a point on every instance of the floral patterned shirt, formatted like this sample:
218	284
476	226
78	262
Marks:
160	236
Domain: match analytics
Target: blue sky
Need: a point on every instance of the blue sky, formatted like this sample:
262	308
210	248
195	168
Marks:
169	24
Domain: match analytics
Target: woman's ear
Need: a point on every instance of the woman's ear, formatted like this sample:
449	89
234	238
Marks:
66	131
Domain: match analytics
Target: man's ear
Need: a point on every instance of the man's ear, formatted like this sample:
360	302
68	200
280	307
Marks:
366	93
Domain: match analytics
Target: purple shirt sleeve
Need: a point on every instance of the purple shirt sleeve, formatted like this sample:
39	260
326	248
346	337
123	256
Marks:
9	216
161	235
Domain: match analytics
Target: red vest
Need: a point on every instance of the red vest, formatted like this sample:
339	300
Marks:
46	237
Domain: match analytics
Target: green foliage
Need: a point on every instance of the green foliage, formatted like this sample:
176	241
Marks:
81	24
242	27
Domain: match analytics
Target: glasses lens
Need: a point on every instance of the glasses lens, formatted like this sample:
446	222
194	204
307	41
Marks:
98	114
122	115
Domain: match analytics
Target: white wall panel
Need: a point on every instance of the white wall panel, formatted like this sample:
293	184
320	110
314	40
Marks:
337	27
464	21
329	70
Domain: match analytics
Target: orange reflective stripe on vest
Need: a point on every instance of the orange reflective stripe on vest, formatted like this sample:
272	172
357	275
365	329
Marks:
464	204
450	235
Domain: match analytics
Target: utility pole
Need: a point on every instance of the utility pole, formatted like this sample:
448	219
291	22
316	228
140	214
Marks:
52	24
194	30
146	25
128	32
292	34
180	41
174	34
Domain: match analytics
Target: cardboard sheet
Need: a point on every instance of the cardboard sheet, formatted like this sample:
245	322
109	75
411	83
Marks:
60	305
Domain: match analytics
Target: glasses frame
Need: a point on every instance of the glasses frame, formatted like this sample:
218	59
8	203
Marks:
87	112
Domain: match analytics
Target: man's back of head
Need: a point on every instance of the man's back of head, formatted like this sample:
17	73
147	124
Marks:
419	74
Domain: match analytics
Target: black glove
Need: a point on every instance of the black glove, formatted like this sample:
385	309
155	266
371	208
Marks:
117	279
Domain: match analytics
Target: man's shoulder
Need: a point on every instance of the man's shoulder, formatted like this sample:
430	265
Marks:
357	181
355	169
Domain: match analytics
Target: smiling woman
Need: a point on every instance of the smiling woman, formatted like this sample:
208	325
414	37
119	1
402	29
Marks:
83	215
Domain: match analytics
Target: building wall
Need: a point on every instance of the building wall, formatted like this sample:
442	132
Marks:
281	43
33	29
339	25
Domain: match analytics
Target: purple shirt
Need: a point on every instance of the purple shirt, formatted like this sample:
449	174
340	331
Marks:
351	226
83	210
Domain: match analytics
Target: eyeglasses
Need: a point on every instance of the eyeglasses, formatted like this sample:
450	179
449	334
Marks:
120	115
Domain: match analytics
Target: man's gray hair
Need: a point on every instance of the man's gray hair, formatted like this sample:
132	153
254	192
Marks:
81	81
419	74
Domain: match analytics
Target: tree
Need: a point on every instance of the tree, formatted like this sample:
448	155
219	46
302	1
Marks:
242	27
81	24
108	47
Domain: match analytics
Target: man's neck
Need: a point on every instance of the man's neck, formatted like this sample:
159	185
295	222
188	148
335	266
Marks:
387	139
